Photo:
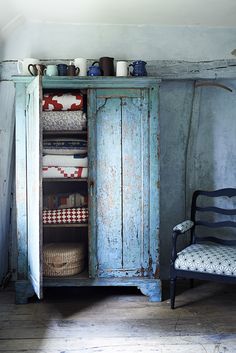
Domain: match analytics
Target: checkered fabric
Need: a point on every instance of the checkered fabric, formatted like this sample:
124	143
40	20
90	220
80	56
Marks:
65	216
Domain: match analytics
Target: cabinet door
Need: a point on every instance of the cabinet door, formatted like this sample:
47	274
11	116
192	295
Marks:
123	181
34	184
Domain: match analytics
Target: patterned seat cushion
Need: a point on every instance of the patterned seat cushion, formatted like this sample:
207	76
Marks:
208	258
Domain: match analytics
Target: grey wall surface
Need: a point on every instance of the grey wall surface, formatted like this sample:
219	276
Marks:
198	129
198	149
148	42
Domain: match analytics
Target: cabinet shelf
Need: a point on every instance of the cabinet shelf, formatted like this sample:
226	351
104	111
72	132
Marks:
65	132
55	180
66	225
79	276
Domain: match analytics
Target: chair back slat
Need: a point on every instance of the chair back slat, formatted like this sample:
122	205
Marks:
224	224
216	240
199	215
216	210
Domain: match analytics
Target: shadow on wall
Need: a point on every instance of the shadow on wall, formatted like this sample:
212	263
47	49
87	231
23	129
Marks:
198	129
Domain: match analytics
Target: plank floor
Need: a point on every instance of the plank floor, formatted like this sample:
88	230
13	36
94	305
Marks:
108	320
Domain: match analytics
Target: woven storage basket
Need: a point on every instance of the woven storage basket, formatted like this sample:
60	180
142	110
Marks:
63	259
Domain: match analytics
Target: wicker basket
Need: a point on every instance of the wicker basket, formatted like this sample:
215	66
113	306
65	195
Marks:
63	259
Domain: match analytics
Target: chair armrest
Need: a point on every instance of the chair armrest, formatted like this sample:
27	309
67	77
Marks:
183	227
180	228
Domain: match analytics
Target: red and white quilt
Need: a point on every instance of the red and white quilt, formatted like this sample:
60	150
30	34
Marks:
65	172
65	216
62	101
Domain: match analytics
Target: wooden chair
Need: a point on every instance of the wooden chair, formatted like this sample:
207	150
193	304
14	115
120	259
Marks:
207	257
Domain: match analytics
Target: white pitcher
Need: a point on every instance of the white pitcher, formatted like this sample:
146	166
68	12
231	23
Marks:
22	65
81	63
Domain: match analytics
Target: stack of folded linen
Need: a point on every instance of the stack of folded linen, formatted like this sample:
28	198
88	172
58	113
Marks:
65	158
63	111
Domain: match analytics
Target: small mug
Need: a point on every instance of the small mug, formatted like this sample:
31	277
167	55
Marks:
22	65
72	70
36	69
121	68
62	69
51	70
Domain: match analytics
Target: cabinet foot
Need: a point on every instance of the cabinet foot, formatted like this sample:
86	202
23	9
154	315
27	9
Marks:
24	290
152	290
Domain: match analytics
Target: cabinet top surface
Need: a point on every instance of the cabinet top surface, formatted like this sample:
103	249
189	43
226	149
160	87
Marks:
90	82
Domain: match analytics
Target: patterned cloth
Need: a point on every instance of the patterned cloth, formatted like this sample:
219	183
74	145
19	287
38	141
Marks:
64	120
65	172
62	101
208	258
65	161
65	216
64	146
183	227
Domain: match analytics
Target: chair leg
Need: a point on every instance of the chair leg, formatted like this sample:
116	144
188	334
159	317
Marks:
172	292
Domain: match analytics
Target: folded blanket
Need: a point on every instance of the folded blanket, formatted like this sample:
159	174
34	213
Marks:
64	200
62	101
65	216
65	172
64	120
76	160
64	146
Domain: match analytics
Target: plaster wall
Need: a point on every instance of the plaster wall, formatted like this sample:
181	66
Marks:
149	42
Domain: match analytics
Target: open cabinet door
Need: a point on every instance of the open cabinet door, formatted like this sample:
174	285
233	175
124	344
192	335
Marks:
34	183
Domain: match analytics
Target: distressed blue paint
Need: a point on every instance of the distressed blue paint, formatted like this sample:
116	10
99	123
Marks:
108	183
145	212
91	82
92	175
134	125
20	170
120	173
154	188
152	289
149	287
124	172
7	122
34	183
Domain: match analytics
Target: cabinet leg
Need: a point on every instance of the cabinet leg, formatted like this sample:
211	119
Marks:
24	290
152	290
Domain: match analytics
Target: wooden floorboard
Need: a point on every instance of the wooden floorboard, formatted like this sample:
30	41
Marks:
108	320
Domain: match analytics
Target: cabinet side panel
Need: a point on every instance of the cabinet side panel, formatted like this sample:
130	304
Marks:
20	165
154	181
34	184
108	184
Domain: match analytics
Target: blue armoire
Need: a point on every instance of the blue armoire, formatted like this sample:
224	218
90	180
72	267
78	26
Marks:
123	184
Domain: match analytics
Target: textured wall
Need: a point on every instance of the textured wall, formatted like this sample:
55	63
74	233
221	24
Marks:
198	149
150	42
